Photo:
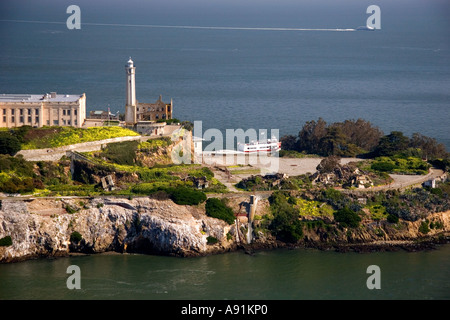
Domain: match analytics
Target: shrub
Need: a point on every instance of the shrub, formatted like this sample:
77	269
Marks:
75	237
392	218
437	191
216	208
383	166
285	225
186	196
9	144
347	217
211	240
424	228
6	241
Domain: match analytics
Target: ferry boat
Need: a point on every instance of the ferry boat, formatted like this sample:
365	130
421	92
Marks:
269	145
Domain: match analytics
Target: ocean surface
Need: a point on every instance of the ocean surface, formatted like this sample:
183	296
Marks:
250	73
299	274
397	77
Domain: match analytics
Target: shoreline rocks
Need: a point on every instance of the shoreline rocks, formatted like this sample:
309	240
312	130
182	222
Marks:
55	228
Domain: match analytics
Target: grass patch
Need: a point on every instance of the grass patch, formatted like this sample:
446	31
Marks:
152	145
400	165
378	212
311	208
53	137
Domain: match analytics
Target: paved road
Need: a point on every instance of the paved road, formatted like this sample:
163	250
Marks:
405	181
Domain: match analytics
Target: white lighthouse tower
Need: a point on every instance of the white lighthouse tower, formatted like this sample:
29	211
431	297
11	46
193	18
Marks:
130	107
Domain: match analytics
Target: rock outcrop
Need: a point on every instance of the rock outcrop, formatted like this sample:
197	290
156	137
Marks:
60	227
45	228
382	235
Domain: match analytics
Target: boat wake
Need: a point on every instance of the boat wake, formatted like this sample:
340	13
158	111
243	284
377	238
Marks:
186	27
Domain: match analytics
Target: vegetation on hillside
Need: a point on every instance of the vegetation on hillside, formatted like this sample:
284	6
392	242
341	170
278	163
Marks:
217	208
53	137
123	160
292	213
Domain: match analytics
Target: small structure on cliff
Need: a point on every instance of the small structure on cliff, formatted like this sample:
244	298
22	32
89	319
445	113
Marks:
107	183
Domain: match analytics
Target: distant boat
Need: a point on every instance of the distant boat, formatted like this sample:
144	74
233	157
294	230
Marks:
365	28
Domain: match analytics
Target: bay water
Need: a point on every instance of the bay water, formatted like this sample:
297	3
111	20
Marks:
298	274
397	77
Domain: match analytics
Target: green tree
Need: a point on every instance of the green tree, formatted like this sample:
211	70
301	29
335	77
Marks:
289	142
391	144
9	144
361	133
336	143
429	146
311	134
347	217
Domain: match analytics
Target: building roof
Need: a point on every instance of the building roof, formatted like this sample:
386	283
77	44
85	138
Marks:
52	97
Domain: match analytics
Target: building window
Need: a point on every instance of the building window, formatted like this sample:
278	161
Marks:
21	112
4	112
55	122
29	119
13	119
13	111
68	112
36	112
64	112
75	112
37	120
29	112
4	118
68	122
48	122
21	118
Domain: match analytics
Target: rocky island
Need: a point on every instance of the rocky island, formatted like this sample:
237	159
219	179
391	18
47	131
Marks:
129	197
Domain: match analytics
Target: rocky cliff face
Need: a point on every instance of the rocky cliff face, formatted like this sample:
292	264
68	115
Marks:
382	235
46	228
52	227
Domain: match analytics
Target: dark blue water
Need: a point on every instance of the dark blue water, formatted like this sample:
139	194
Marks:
397	77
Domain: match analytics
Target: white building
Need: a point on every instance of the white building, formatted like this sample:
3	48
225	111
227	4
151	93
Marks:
38	110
